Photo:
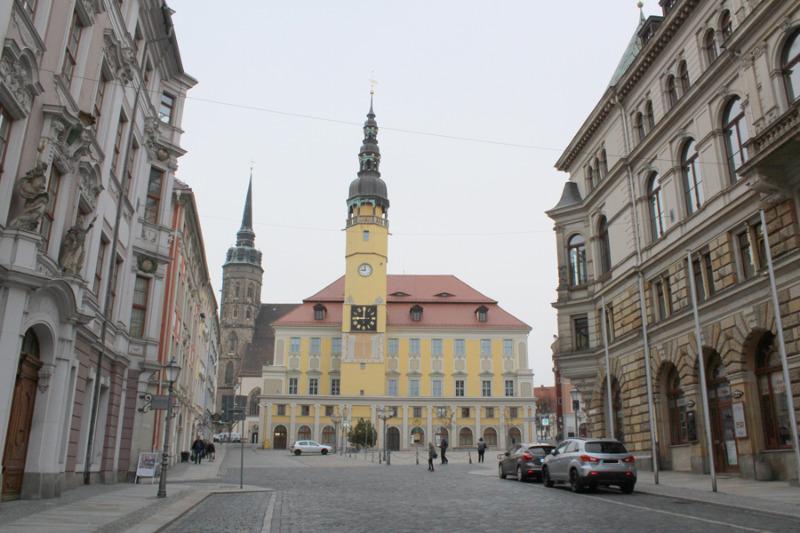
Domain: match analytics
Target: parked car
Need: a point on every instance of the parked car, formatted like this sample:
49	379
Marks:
588	463
525	463
309	446
217	437
235	437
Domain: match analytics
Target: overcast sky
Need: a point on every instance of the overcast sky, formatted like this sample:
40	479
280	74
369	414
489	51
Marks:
475	102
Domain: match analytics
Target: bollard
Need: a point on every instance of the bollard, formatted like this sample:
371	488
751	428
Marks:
469	454
379	458
417	455
388	457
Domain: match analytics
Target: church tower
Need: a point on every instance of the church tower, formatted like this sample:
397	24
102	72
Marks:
364	312
241	300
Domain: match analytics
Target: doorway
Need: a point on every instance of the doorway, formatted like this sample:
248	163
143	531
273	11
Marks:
726	458
19	424
393	439
280	438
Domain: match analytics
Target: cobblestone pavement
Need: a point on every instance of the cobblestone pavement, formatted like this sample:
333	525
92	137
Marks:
236	512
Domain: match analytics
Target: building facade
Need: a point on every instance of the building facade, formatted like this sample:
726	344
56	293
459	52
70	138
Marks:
668	176
91	99
442	359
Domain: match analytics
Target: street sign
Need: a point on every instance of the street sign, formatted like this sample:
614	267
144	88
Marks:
545	421
236	414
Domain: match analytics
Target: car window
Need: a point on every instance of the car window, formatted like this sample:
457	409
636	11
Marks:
573	447
540	451
605	447
562	447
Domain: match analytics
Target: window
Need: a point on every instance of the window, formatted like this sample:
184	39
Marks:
141	289
683	74
305	410
513	412
252	404
676	404
486	388
153	201
441	412
335	386
417	412
486	347
746	255
775	413
336	345
328	410
751	238
509	387
489	414
292	385
416	313
294	345
651	117
319	312
703	276
315	345
71	52
508	347
663	297
672	91
735	131
590	177
436	388
281	410
605	245
465	412
413	346
313	385
102	83
5	131
639	125
166	109
48	217
117	144
482	314
576	251
98	270
791	71
609	320
232	341
460	387
459	347
654	203
726	25
115	283
603	162
413	387
710	46
394	346
436	346
597	169
692	180
366	235
391	387
581	326
129	167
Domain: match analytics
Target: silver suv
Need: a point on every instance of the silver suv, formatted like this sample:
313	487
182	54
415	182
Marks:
587	463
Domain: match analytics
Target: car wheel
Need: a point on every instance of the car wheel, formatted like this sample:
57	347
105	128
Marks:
575	481
626	488
500	471
546	478
297	452
324	451
520	475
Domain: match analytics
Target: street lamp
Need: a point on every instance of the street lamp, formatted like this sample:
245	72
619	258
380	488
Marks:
335	419
384	414
575	395
171	373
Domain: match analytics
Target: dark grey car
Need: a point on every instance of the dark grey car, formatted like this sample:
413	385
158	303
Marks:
588	463
525	463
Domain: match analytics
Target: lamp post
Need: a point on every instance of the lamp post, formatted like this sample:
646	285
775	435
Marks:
335	419
384	414
576	404
171	373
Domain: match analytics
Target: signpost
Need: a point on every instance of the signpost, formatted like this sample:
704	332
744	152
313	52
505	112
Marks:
237	414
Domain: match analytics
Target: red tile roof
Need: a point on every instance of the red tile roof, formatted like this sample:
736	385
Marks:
446	301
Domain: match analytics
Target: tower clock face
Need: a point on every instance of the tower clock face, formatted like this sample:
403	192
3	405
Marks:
363	318
365	269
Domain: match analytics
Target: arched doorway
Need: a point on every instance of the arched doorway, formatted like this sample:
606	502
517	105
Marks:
279	442
328	436
720	405
418	436
514	437
490	436
19	424
304	433
465	438
393	439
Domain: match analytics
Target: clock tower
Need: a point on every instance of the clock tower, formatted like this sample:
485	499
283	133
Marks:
364	312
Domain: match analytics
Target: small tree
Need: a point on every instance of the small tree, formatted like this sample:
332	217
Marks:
363	433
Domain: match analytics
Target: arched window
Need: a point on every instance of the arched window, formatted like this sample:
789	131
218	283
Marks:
692	179
252	402
735	128
676	404
465	437
418	436
791	72
619	427
249	292
328	436
775	412
229	372
304	433
605	245
604	162
725	25
655	206
576	250
639	126
490	436
514	436
672	91
590	176
597	169
232	342
710	46
651	117
683	74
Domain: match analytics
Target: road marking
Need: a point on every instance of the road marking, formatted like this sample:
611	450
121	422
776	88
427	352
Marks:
266	525
685	516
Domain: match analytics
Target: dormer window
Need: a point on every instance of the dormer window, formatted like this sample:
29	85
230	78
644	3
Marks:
445	295
416	313
319	312
482	313
400	294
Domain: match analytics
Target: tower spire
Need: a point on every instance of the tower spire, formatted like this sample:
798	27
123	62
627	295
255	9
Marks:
368	187
246	236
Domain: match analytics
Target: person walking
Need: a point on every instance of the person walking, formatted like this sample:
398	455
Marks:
211	451
431	456
443	446
481	449
197	448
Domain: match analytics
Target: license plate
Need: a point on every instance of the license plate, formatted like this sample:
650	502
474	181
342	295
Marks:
610	461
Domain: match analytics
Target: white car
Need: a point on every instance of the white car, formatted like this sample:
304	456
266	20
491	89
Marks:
309	446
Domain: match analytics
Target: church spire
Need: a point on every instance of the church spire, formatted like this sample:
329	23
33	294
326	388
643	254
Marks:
368	187
246	236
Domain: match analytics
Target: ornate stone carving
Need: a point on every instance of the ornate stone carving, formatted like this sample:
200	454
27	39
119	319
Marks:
149	234
45	373
18	82
151	134
73	247
33	188
89	187
121	60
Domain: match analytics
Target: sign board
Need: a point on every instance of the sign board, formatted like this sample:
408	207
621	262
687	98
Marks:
236	414
147	465
739	424
545	421
160	402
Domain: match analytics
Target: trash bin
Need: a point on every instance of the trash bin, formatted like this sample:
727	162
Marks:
184	457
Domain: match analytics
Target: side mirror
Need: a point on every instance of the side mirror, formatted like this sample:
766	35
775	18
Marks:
554	452
508	453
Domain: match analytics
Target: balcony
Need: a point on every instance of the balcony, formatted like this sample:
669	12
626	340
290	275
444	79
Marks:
367	219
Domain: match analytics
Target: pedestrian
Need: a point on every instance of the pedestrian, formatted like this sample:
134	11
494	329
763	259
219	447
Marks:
197	448
211	451
443	446
481	449
431	456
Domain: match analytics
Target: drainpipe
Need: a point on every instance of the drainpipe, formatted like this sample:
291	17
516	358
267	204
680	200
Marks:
640	276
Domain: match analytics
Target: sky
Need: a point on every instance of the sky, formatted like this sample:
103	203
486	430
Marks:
475	102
